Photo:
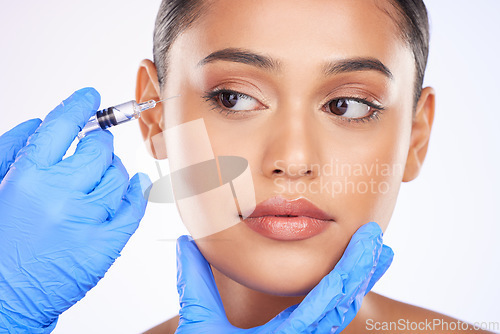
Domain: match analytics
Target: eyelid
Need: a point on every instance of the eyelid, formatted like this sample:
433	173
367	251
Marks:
213	93
212	97
355	90
374	115
243	88
372	104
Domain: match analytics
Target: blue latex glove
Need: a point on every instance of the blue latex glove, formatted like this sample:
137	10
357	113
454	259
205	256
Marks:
62	222
328	308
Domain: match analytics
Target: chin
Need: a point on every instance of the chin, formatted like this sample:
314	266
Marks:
290	281
290	287
273	267
291	276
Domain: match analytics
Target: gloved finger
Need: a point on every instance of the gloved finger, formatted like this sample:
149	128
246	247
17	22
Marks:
355	266
92	158
111	237
380	267
132	208
355	291
384	262
54	136
102	203
12	141
198	294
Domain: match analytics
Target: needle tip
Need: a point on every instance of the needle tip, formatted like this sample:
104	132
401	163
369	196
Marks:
168	98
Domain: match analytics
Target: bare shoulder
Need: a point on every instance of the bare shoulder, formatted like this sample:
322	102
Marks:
167	327
379	314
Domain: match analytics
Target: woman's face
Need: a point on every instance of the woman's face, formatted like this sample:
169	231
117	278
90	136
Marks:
302	110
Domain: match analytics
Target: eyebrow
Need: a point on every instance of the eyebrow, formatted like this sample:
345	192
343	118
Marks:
356	64
243	56
273	65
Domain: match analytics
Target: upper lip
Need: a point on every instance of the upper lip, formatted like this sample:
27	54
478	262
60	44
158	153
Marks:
279	206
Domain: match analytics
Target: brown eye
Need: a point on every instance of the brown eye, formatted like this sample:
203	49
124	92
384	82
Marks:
339	106
236	101
348	108
228	100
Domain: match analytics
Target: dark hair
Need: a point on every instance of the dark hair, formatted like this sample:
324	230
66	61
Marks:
413	23
174	16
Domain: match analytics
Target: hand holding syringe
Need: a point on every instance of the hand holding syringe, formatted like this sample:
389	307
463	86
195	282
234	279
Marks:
118	114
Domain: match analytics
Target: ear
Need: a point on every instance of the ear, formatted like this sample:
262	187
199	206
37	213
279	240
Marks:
151	121
420	133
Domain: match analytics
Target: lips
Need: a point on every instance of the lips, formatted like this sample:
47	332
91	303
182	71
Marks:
281	219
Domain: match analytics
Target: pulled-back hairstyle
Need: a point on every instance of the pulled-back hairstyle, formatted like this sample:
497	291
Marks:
175	16
413	23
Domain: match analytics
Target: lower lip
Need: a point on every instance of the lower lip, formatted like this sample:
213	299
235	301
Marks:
287	228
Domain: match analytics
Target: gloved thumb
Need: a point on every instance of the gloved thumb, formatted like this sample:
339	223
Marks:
12	141
132	208
384	262
198	294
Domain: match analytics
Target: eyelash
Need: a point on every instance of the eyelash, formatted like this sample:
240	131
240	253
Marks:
374	115
212	96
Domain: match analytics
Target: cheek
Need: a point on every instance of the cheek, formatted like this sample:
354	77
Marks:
366	190
204	183
373	173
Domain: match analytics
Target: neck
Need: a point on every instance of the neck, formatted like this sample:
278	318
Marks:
247	308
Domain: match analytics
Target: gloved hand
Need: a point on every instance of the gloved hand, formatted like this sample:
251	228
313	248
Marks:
328	308
62	222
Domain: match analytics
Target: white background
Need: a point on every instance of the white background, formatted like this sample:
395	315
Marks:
445	229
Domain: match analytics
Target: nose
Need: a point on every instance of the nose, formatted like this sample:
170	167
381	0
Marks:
291	149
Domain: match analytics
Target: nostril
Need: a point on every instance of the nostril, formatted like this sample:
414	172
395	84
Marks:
277	171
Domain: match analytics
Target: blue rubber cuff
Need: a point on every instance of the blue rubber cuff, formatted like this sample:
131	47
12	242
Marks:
8	325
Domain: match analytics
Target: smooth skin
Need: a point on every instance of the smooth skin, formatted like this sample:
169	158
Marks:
285	130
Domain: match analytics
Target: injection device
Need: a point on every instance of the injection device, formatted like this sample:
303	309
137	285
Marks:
118	114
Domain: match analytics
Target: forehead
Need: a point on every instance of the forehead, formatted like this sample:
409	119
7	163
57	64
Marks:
300	34
362	24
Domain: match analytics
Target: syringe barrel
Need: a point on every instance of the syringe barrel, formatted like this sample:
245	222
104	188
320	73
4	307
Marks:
111	116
